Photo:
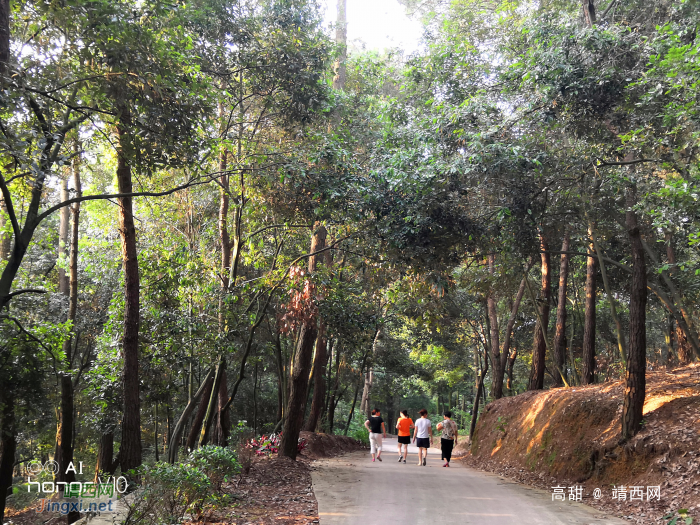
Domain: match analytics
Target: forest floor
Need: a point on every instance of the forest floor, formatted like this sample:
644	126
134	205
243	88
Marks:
275	490
570	437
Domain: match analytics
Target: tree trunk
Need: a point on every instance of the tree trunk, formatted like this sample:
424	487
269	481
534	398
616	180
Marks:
320	359
683	347
155	430
130	449
213	404
341	36
105	456
299	389
174	441
491	307
354	399
299	383
5	238
69	286
199	416
479	390
223	420
589	334
509	370
255	399
621	344
365	407
8	449
63	238
589	13
281	380
540	347
333	401
319	375
636	362
667	350
560	333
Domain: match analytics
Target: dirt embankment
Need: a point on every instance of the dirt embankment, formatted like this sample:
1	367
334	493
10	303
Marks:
567	437
327	445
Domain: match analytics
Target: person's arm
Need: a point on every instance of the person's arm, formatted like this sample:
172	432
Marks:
430	431
383	430
397	424
415	431
367	426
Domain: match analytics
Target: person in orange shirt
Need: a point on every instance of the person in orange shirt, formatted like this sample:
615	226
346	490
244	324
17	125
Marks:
404	425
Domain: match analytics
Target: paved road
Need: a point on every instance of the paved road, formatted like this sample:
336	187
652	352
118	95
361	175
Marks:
353	490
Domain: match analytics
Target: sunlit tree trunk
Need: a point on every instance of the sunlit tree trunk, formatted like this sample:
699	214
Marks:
540	345
589	333
320	359
66	437
130	448
635	387
299	381
560	332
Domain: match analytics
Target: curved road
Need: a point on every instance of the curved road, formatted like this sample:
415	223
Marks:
353	490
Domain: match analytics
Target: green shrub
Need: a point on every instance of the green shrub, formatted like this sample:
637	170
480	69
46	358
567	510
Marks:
361	435
167	494
218	463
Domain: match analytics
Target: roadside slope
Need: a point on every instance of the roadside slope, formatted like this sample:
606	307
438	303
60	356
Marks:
570	436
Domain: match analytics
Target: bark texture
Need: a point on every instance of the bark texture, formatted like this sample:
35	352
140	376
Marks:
299	380
635	388
589	365
560	333
540	345
299	386
319	375
321	357
105	454
130	449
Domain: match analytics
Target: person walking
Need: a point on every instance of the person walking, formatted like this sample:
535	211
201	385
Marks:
375	425
423	436
404	426
449	437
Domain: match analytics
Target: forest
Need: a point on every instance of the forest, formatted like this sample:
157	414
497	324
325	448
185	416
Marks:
220	219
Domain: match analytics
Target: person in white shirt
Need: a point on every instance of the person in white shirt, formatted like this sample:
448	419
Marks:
423	436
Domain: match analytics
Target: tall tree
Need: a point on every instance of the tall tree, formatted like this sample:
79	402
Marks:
589	333
492	312
559	349
635	387
540	346
299	380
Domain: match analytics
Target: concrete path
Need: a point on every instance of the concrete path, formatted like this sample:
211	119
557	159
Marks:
353	490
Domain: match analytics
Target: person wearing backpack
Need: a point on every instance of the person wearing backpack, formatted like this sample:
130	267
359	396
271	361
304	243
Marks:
449	437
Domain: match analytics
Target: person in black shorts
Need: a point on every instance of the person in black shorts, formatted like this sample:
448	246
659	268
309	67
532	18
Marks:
404	426
423	436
